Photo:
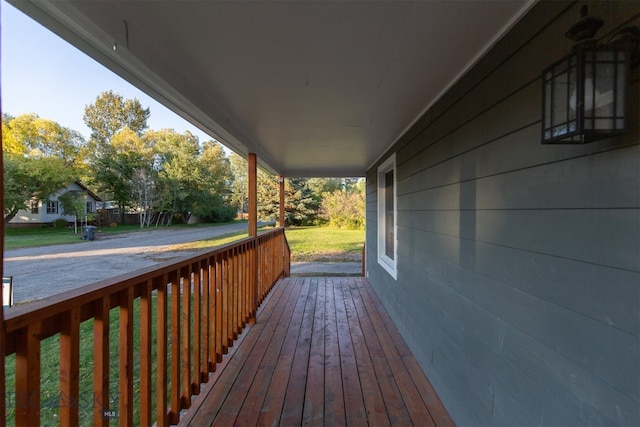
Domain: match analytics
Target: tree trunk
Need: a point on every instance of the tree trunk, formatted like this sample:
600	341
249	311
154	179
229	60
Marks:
10	215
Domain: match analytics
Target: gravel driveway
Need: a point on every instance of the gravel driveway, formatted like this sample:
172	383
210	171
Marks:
49	270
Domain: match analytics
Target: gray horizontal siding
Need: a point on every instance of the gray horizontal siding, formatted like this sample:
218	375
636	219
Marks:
519	263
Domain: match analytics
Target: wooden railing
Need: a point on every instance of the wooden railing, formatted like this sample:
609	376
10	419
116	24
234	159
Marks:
188	314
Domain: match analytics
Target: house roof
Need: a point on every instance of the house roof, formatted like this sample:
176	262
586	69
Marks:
89	192
314	88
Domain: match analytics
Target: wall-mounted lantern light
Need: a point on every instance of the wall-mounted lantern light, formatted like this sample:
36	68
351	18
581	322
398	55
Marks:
585	93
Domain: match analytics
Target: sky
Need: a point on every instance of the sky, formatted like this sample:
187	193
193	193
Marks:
45	75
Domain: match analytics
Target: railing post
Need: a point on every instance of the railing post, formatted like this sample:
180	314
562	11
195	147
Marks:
146	359
101	326
27	398
176	314
286	255
253	230
281	221
285	252
253	195
126	357
185	342
162	353
70	367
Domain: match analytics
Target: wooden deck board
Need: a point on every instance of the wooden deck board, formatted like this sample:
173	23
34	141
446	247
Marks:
250	412
385	369
322	352
334	414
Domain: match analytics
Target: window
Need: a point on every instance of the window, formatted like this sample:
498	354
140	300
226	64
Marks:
52	207
387	216
89	207
35	207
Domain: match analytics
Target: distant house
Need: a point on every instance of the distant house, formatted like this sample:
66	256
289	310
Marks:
47	211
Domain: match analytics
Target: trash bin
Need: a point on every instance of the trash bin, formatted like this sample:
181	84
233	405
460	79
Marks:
89	232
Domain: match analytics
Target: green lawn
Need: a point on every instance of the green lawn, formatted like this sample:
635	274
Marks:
320	244
16	238
316	244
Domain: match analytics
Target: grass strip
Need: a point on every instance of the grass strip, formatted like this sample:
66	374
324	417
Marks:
17	238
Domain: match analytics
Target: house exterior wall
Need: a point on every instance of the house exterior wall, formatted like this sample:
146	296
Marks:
518	278
25	216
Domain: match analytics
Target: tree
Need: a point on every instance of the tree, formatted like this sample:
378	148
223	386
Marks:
11	143
319	186
239	191
343	209
216	168
178	172
143	183
117	126
109	114
41	157
28	179
37	137
299	206
211	202
73	203
114	170
192	179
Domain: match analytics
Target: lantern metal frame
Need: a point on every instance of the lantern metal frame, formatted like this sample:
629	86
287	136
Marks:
575	115
585	94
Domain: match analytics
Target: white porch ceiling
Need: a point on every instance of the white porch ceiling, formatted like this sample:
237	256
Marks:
314	88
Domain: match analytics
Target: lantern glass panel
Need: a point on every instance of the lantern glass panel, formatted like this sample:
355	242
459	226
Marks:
604	100
547	104
559	104
621	80
560	85
584	96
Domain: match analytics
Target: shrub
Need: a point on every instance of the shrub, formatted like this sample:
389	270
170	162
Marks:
343	209
60	223
220	213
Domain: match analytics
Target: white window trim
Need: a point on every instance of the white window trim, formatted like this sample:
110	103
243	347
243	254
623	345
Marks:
52	204
390	265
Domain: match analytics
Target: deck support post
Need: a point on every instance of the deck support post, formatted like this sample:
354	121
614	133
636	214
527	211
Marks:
253	195
253	230
281	218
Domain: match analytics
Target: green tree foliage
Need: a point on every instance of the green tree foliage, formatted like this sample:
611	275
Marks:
111	113
143	184
192	180
73	202
300	208
114	170
40	157
116	147
37	137
216	186
239	191
268	189
343	209
179	176
320	186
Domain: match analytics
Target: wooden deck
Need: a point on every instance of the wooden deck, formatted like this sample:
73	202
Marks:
322	352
